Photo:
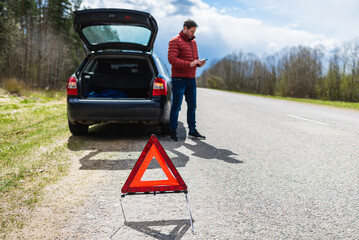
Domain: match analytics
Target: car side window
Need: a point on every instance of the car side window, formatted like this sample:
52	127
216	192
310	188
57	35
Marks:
163	69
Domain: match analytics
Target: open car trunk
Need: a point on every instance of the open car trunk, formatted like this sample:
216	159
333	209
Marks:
109	77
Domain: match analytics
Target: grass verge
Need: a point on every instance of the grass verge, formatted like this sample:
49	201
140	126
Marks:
337	104
33	151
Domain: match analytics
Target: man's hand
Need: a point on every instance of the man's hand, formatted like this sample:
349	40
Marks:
198	63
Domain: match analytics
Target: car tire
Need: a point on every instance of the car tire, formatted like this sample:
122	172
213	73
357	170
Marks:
78	129
165	129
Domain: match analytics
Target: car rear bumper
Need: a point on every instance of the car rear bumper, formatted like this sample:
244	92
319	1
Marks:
123	110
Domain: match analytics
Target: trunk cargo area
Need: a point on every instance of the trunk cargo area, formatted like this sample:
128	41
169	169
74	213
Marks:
117	78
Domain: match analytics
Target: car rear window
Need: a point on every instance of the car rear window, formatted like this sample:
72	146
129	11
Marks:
117	33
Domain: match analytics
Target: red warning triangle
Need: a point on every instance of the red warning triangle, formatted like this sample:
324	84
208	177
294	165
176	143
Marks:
153	149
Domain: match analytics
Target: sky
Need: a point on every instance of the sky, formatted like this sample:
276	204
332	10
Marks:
261	27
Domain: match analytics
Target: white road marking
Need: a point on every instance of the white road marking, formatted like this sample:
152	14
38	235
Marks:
306	119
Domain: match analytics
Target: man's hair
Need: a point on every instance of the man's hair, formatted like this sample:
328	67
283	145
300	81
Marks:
189	23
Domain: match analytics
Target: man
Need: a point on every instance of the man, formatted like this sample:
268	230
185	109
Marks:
183	56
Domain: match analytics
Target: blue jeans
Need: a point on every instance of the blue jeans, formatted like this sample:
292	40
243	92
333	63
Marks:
188	88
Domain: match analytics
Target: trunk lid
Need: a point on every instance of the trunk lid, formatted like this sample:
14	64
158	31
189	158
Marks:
123	29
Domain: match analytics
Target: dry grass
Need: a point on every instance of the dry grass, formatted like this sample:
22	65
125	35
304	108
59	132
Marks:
33	151
14	86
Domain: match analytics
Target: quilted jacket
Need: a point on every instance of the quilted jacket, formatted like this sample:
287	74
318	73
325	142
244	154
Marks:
181	52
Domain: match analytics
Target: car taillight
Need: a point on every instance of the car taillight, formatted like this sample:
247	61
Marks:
72	86
159	87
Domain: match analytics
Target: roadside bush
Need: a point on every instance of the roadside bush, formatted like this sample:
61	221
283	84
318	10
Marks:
14	86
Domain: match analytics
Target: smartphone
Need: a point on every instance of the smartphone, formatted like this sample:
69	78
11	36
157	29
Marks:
204	59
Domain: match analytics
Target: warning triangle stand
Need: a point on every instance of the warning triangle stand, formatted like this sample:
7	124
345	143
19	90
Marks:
153	150
173	184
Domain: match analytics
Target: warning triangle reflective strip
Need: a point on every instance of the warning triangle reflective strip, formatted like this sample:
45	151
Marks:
153	153
153	149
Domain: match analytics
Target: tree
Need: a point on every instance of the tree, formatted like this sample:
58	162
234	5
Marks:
37	42
331	83
301	69
350	56
214	82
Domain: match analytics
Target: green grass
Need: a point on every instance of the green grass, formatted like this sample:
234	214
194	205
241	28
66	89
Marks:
31	153
337	104
347	105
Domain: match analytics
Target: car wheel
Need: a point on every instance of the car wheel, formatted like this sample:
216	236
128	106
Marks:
165	129
78	129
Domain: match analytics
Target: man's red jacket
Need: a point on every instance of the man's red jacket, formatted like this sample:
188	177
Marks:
181	52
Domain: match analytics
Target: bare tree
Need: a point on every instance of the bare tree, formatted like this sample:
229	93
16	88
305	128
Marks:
350	56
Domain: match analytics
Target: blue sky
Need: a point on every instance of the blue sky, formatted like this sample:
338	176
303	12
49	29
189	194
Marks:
257	26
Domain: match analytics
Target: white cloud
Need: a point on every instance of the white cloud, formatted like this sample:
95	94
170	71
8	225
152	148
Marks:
251	34
336	19
220	34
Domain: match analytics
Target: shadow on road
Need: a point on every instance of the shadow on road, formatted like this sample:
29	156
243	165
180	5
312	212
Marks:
129	140
181	227
204	150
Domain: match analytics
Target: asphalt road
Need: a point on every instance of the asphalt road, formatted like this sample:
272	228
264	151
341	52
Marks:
269	169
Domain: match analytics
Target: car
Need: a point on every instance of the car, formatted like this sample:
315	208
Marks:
121	80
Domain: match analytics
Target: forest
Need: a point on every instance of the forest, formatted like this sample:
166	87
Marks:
38	45
300	72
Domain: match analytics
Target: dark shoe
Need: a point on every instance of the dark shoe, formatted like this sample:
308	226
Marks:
173	135
196	135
